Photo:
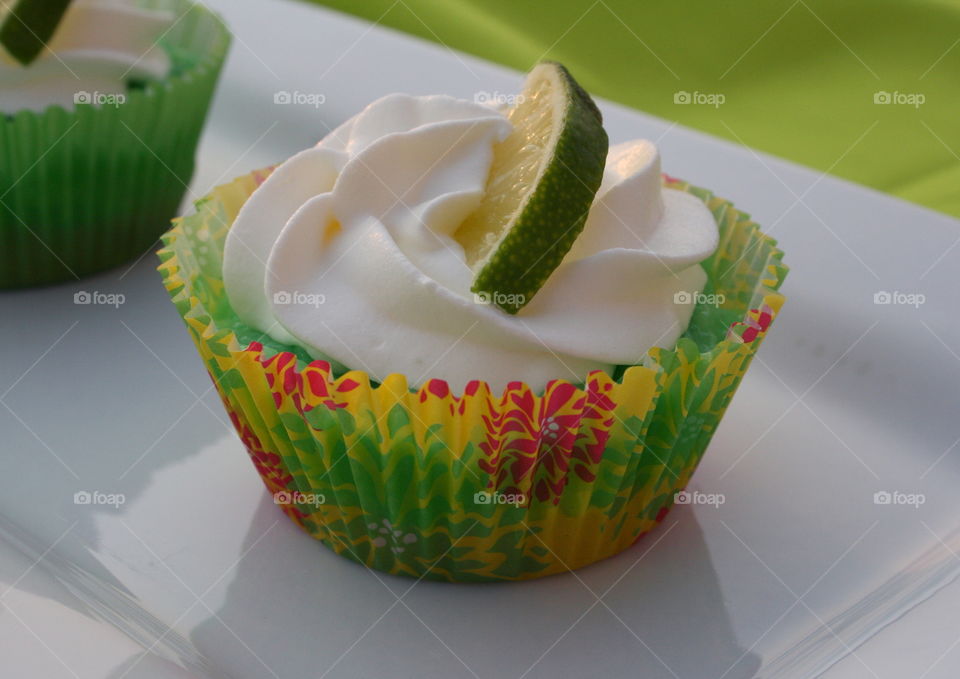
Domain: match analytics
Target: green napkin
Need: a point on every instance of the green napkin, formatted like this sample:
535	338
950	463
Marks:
863	89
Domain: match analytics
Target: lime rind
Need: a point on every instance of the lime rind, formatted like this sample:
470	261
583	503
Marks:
513	254
29	26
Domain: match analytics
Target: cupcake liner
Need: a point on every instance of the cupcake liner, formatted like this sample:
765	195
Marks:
475	486
85	190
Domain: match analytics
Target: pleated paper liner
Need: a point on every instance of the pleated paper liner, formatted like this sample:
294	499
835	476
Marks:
475	486
86	190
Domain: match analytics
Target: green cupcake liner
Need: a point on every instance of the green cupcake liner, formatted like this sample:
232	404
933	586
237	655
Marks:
86	190
475	486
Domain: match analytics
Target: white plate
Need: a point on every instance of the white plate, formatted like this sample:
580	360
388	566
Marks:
798	566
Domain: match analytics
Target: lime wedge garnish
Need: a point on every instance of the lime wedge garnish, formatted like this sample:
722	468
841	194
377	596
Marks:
29	25
542	182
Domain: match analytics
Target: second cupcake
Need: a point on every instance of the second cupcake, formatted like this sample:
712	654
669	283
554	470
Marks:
101	108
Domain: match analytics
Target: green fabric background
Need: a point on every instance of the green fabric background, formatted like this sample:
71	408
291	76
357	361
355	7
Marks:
798	76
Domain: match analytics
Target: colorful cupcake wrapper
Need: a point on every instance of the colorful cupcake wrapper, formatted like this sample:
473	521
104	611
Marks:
88	189
475	486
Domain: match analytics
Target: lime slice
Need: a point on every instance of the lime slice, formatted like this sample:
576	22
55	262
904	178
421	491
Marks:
542	182
29	25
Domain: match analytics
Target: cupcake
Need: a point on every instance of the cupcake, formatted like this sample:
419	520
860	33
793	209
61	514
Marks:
101	107
471	343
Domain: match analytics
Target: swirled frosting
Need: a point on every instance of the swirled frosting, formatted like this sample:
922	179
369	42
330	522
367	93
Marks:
347	250
98	46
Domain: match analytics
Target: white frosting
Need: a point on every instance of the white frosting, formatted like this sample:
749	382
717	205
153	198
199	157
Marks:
347	250
98	46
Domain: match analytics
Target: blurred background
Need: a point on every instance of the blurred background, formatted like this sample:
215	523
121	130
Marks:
863	89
